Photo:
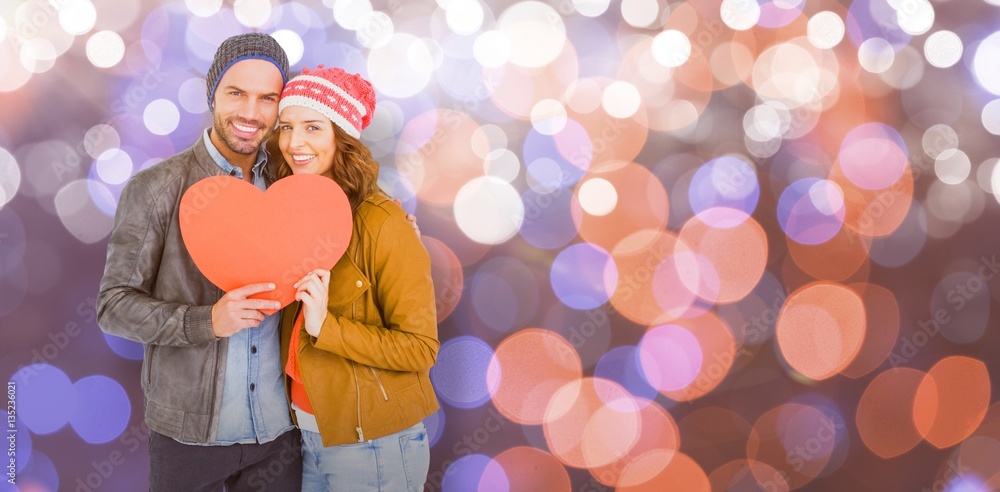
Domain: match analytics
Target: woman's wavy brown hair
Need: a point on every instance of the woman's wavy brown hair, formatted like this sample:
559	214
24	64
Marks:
353	169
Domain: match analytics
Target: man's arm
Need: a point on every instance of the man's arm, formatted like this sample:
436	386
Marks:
125	305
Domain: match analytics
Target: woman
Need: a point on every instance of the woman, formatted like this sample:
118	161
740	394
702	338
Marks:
360	344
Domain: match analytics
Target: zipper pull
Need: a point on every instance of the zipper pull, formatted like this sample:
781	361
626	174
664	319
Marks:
361	435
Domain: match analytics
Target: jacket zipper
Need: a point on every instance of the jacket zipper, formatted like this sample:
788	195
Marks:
379	381
357	386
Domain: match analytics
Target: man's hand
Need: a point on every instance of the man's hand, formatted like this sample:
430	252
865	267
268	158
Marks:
409	217
234	312
314	292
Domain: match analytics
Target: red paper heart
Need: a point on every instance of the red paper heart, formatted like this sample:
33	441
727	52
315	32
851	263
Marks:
238	235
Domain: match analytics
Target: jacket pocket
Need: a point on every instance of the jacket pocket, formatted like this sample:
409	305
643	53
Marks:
347	284
147	366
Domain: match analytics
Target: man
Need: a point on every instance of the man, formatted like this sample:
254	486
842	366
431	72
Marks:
215	399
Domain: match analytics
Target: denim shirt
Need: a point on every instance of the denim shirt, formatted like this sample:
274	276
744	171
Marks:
254	402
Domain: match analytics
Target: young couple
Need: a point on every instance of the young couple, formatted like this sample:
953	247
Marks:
355	349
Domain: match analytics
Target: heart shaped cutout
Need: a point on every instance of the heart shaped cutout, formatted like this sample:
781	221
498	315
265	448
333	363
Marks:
238	235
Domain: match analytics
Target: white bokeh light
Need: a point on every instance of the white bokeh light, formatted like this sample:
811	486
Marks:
252	13
914	16
349	13
671	48
38	55
161	117
621	99
943	49
598	197
640	13
105	49
392	70
291	42
984	174
591	8
952	167
203	8
995	182
548	116
77	17
876	55
80	215
191	95
825	30
464	17
101	138
535	31
991	117
10	177
488	210
3	29
492	49
502	164
740	15
375	30
985	65
114	166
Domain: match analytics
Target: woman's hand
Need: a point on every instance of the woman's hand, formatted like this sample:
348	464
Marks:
314	292
409	217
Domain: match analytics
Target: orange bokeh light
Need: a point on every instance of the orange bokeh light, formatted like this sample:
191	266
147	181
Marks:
820	329
738	253
527	369
885	412
952	400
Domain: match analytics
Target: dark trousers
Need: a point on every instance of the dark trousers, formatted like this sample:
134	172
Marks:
273	467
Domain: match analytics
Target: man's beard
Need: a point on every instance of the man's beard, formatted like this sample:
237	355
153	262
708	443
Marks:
238	144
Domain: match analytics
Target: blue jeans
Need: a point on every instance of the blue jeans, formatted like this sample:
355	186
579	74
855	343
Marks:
393	463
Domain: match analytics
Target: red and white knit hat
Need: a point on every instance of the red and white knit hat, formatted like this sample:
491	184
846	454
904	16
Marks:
346	98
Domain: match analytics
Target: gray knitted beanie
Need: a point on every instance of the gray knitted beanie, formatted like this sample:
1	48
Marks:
254	45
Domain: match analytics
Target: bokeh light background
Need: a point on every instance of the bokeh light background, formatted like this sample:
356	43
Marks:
689	245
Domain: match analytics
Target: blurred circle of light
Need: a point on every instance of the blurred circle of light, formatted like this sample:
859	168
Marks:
640	13
591	422
161	117
104	413
591	8
83	218
77	17
811	210
492	49
252	13
914	16
125	348
577	276
10	177
435	426
905	243
375	30
995	182
954	203
825	30
730	246
952	167
527	369
101	138
951	400
984	174
46	397
620	99
536	33
114	166
191	95
884	414
764	123
871	143
984	63
943	49
488	210
548	221
402	67
548	116
991	116
39	474
648	473
795	439
726	181
622	365
670	357
38	55
820	329
349	13
14	75
598	197
203	8
459	375
292	44
939	140
544	175
740	15
467	472
502	164
671	48
525	468
105	49
876	55
3	29
464	17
